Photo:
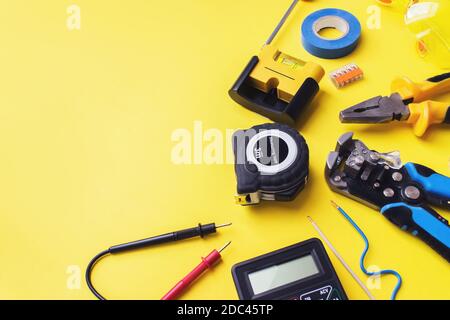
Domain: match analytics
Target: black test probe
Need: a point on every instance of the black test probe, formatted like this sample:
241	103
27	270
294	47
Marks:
199	231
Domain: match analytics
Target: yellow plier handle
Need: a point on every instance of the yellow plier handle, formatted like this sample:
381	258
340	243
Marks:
420	91
424	114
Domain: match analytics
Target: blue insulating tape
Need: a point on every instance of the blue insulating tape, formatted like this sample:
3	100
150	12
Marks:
330	48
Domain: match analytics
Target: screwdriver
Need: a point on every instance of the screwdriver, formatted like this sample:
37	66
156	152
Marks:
207	263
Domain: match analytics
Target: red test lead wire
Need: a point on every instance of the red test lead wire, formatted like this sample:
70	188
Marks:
207	263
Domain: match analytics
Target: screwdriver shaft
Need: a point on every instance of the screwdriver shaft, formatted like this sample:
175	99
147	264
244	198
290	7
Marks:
281	23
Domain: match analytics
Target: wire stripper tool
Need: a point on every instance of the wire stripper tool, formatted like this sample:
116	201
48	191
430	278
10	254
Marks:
408	102
400	192
277	85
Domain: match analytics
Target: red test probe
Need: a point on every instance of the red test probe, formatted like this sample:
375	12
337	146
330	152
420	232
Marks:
197	231
207	263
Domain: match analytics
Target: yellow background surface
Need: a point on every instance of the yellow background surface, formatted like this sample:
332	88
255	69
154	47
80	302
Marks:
86	119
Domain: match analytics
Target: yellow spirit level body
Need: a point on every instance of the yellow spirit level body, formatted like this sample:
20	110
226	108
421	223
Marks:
283	72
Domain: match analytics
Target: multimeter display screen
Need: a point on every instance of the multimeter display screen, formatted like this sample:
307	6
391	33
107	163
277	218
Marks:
282	274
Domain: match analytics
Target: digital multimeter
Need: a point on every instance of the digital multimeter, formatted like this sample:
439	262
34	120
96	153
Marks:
302	271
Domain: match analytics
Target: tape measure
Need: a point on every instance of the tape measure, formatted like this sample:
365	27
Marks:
271	163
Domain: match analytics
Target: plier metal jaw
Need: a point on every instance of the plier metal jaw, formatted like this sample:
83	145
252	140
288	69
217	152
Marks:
377	110
402	192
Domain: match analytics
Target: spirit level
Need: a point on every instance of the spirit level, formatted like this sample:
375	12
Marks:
275	84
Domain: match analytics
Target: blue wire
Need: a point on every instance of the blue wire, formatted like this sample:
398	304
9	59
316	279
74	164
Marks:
363	256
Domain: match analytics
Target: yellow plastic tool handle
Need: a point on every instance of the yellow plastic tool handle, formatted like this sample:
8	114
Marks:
421	91
423	115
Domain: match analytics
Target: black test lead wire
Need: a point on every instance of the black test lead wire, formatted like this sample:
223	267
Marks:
199	231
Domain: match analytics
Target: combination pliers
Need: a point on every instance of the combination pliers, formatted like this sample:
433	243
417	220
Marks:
408	102
401	192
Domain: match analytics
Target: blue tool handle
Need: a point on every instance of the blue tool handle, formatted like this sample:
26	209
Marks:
432	182
423	222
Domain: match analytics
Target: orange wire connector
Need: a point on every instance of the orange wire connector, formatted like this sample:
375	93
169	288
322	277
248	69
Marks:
346	75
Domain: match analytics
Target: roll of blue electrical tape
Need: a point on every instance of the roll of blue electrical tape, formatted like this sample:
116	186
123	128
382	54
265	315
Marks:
339	19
